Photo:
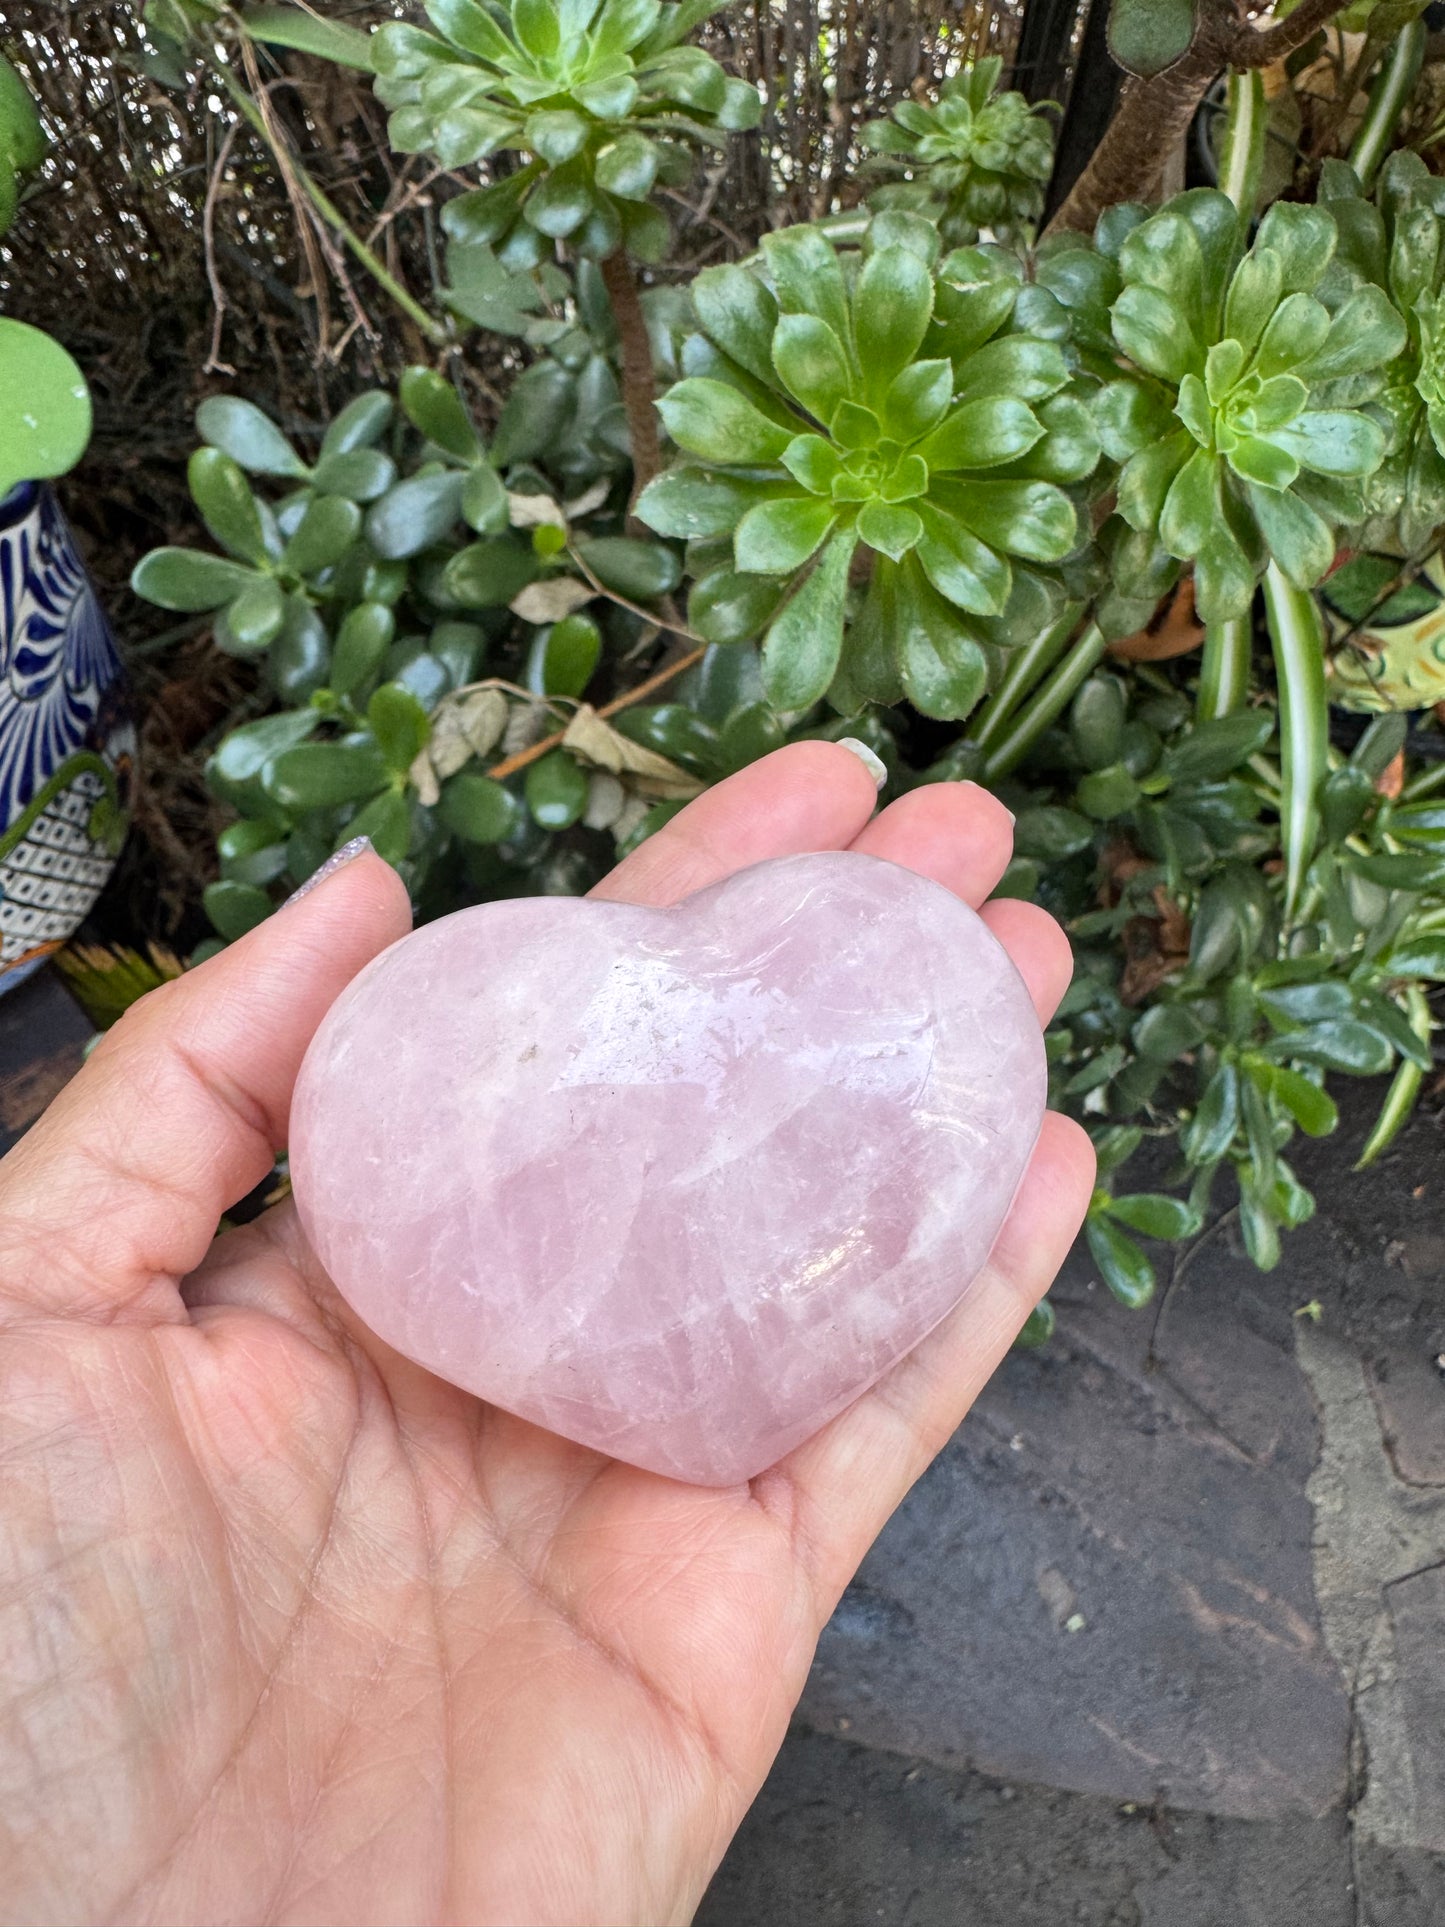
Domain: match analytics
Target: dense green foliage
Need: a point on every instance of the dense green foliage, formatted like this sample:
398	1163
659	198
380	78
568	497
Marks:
913	491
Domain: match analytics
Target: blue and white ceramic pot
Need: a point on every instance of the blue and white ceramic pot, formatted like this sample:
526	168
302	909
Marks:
67	745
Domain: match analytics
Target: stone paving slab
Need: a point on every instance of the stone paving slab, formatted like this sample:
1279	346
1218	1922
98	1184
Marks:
1185	1555
43	1034
845	1837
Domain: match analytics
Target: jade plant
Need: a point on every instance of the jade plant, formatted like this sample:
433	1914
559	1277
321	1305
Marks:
975	158
923	479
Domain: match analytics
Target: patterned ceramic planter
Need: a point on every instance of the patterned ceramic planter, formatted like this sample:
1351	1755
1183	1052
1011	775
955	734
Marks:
67	746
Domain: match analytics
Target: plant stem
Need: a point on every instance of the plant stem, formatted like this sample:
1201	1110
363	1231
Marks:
1425	784
1224	668
431	328
638	390
523	757
1048	702
1025	667
1241	154
1297	635
1393	86
1405	1085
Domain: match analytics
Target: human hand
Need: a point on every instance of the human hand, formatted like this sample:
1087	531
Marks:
291	1630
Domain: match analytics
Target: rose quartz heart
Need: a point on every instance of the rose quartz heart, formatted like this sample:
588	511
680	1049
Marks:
678	1184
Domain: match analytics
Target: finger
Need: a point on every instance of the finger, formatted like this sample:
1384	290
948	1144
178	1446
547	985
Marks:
955	833
116	1192
836	1492
809	796
1038	947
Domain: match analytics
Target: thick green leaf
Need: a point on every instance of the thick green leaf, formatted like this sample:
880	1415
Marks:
228	508
812	364
673	730
556	791
892	307
247	750
807	276
309	33
801	649
323	535
1312	1108
1211	1130
433	405
739	313
44	407
299	660
1218	746
360	423
415	514
386	819
960	566
564	657
488	573
484	502
1340	1045
712	420
252	621
892	529
728	606
1030	519
777	537
189	579
234	908
360	473
627	167
943	666
1418	957
982	434
399	724
1156	1216
1122	1264
1146	36
1096	722
361	642
642	571
320	776
1051	834
478	809
691	502
240	429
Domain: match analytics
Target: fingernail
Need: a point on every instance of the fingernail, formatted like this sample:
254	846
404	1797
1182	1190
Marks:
873	764
348	853
992	799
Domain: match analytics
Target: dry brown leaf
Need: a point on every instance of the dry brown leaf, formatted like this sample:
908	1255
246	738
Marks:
534	512
551	600
527	723
606	800
1173	630
589	499
423	779
647	772
1391	779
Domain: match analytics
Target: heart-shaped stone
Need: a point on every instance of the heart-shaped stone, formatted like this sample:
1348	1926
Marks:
678	1184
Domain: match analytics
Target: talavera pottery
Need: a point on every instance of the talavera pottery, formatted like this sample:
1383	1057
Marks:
67	745
1394	656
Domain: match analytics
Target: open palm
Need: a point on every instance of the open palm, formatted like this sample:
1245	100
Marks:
290	1629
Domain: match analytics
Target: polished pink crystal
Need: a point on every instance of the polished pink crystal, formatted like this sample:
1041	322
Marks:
678	1184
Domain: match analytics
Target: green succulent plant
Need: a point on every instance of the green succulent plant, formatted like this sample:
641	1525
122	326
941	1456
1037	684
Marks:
44	402
1394	242
979	158
599	96
869	412
1244	436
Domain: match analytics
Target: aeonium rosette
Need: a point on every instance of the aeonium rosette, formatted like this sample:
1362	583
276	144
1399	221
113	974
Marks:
977	158
1394	242
863	426
1244	437
598	95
